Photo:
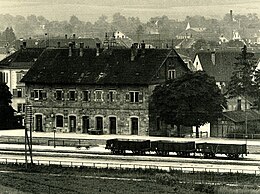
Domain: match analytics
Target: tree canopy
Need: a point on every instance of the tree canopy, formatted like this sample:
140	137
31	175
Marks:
6	111
191	100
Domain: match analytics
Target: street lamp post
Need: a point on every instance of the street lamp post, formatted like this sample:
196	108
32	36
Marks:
246	136
54	143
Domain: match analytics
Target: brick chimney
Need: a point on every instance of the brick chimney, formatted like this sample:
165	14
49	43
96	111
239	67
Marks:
106	42
213	57
98	49
142	49
81	46
231	15
70	48
134	51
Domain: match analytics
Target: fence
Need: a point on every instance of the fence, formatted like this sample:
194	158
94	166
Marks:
243	136
130	166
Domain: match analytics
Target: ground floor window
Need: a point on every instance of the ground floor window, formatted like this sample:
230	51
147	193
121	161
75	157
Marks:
59	121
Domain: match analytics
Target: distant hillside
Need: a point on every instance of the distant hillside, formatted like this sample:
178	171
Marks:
91	10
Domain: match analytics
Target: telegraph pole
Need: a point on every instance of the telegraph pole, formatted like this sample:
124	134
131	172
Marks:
28	138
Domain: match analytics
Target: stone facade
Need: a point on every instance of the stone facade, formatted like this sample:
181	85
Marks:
122	111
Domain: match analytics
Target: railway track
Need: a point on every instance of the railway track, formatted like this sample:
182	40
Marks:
167	163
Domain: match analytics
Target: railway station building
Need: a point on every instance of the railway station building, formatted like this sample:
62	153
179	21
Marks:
98	90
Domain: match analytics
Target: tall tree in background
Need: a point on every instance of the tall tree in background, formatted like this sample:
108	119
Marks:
242	81
8	35
6	111
191	100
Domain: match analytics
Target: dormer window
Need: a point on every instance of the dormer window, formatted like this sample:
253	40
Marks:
171	74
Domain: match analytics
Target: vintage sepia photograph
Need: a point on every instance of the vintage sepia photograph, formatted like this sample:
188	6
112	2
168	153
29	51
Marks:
129	97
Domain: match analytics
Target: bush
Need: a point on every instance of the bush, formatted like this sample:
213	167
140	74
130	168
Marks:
204	188
166	179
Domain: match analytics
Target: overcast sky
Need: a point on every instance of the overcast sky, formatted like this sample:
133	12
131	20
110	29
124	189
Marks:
90	10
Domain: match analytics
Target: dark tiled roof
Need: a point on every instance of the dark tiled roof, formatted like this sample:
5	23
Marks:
22	58
110	67
53	42
224	63
239	116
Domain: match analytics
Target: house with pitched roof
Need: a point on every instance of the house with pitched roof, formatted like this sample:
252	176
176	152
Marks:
220	64
233	123
12	69
98	90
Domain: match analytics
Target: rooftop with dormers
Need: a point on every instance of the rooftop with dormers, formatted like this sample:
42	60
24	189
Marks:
99	66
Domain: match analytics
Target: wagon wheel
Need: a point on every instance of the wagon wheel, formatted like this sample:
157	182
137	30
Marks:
187	154
212	155
206	155
231	156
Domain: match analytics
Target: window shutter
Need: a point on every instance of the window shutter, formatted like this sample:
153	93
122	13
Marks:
127	97
118	97
89	96
76	96
15	93
81	95
44	95
140	97
62	95
32	94
68	95
114	96
108	96
95	96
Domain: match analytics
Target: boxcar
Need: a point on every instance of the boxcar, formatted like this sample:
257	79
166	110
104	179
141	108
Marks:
180	148
120	146
209	150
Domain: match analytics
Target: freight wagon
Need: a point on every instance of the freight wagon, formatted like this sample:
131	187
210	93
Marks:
164	148
120	146
209	150
180	148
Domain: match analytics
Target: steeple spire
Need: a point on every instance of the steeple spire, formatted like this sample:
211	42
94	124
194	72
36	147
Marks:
188	26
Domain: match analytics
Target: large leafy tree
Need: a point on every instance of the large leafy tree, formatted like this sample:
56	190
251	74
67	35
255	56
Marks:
191	100
6	111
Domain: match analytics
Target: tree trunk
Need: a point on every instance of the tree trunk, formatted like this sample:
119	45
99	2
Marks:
197	132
